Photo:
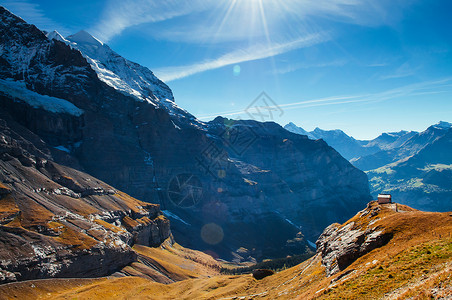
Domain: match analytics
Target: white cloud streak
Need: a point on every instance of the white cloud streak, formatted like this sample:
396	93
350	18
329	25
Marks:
304	65
405	70
255	52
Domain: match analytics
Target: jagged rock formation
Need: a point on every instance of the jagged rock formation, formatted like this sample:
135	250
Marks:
340	246
59	222
116	121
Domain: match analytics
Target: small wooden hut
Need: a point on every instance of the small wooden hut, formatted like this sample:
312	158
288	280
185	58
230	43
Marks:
384	198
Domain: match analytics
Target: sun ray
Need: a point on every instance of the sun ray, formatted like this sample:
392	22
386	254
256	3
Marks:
231	7
269	42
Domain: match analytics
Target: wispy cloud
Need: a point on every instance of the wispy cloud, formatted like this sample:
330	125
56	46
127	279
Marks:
255	52
416	89
304	65
31	12
404	70
294	105
119	15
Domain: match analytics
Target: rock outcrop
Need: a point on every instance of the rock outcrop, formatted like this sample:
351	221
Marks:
340	246
56	221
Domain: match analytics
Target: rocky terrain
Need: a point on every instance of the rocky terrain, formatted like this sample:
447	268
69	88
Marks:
391	252
340	246
222	184
56	221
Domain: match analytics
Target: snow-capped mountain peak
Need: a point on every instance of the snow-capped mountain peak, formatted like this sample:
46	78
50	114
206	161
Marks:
55	35
443	125
84	37
118	72
128	77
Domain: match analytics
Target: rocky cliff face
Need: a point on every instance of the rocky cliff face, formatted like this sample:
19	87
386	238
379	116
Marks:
59	222
224	185
340	246
305	178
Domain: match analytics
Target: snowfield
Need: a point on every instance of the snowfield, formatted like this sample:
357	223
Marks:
18	90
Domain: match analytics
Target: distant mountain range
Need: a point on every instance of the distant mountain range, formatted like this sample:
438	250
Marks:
415	167
351	148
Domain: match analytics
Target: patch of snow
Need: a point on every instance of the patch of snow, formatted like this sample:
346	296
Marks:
311	244
39	251
167	213
62	148
175	126
291	223
18	90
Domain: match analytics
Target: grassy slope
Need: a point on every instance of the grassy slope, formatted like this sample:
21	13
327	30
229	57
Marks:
416	263
170	263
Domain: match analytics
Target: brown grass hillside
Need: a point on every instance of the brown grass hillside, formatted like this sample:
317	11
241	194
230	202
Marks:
415	264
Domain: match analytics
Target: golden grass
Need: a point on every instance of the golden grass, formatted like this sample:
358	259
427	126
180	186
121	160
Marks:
8	207
74	239
109	226
129	223
402	270
4	187
32	213
38	289
178	262
131	202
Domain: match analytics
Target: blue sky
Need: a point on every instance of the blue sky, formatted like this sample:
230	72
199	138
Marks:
363	66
